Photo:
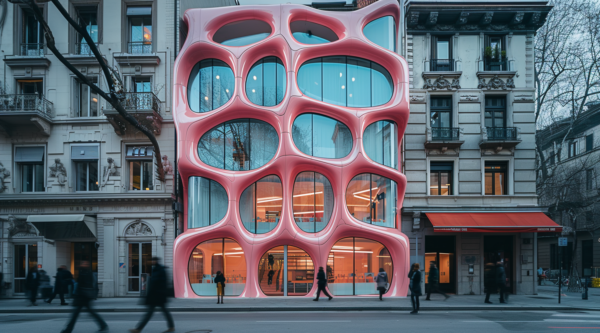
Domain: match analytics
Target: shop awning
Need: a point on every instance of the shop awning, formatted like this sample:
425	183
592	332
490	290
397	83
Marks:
492	222
65	227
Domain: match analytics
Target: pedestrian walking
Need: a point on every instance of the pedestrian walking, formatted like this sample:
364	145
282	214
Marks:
489	281
220	281
433	280
45	289
322	284
540	273
501	281
62	281
32	283
270	276
156	296
271	261
84	295
382	283
415	287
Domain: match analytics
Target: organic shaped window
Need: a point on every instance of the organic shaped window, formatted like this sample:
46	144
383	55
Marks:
372	199
261	204
217	255
321	136
345	81
211	85
380	142
312	201
242	33
312	33
207	202
286	263
266	82
239	145
382	32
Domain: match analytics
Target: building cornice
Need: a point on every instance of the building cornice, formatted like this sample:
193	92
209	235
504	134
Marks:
78	197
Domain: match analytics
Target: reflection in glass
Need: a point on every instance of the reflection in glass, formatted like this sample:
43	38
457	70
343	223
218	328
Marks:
380	142
372	199
246	40
321	136
307	32
308	38
382	32
240	33
239	145
211	85
354	263
312	201
266	82
261	204
221	254
207	202
272	270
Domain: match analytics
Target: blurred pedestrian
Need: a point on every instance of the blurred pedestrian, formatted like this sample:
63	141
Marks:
322	284
271	261
220	281
540	273
32	283
62	281
433	280
489	281
415	287
156	296
84	294
382	283
45	288
501	280
270	276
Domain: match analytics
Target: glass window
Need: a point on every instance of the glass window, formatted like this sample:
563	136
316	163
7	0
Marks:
272	272
382	32
321	136
266	82
239	145
207	202
495	178
87	105
441	112
440	178
88	18
307	32
140	30
32	177
140	266
380	142
217	255
26	258
345	81
589	179
141	175
211	85
312	201
354	263
372	199
261	204
32	43
495	111
242	33
86	175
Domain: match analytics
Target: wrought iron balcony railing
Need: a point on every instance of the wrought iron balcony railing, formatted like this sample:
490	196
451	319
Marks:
442	65
139	47
26	102
84	49
496	65
32	49
501	133
141	101
445	133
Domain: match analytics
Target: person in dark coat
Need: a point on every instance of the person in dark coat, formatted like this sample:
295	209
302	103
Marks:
322	284
271	261
85	293
220	282
501	280
270	276
32	283
433	280
489	281
156	296
63	280
415	287
382	282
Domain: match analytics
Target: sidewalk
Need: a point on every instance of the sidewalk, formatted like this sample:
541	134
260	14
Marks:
546	300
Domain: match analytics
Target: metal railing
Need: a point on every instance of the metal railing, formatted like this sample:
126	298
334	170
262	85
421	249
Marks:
501	133
495	65
141	101
84	49
26	102
32	49
442	65
139	47
445	133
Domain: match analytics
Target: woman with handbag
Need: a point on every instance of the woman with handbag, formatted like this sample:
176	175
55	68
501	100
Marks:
415	287
382	283
220	282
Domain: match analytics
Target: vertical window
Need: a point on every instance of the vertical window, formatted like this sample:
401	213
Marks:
321	136
440	178
441	118
261	204
141	168
495	111
85	160
589	142
33	87
266	82
312	201
207	202
382	32
495	178
589	179
26	258
380	141
140	30
30	161
140	266
587	257
573	148
286	263
372	199
210	85
441	58
495	54
32	42
87	100
88	18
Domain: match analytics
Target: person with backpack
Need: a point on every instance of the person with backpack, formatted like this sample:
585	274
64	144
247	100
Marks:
382	283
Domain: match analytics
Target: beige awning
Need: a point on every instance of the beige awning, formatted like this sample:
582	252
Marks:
65	227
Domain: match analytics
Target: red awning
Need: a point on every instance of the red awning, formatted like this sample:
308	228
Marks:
492	222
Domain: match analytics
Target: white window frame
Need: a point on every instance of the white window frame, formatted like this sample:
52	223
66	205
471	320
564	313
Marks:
455	180
510	181
74	167
141	174
77	100
17	177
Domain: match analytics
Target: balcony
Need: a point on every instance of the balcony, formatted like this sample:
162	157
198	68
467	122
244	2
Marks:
443	138
32	50
499	138
496	65
138	53
144	106
442	65
28	55
139	47
441	74
84	49
18	110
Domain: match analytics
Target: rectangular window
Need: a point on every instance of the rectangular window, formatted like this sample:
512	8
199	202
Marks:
573	148
32	41
30	162
589	179
551	159
441	112
495	178
441	57
88	18
85	160
140	30
87	100
589	142
495	54
25	258
141	168
587	257
31	87
440	178
495	111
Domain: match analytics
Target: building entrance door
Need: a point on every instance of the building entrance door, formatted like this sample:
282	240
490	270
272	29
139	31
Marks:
442	250
84	251
140	266
286	271
500	249
26	257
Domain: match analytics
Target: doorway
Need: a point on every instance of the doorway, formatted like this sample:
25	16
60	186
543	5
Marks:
83	251
286	263
500	249
140	266
26	257
442	251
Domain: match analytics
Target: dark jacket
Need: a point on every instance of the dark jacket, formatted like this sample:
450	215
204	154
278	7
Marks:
434	276
321	279
32	282
500	276
221	279
489	277
85	291
64	278
157	286
415	283
382	280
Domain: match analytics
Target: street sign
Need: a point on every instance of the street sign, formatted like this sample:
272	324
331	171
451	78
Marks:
562	241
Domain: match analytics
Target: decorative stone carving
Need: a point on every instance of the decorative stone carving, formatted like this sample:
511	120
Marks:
518	18
415	99
496	83
109	170
455	84
138	228
482	84
535	18
510	83
441	84
432	19
413	19
19	226
58	170
487	18
3	175
462	19
469	98
167	166
523	98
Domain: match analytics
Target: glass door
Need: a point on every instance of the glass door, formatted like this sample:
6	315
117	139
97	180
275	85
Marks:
441	250
140	266
26	258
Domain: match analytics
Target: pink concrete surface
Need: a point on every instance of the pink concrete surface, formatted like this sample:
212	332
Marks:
288	161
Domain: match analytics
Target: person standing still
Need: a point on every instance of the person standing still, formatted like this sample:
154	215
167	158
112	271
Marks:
382	282
489	281
220	281
322	284
415	287
540	273
84	294
434	282
32	283
501	280
61	284
156	296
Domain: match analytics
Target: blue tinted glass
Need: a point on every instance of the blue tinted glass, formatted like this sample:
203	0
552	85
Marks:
246	40
302	133
211	148
207	202
210	85
381	85
307	38
310	78
382	32
380	142
334	80
321	136
266	82
359	83
254	84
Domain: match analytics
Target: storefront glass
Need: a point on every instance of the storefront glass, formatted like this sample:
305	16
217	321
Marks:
261	204
372	199
139	266
312	201
299	273
26	258
207	202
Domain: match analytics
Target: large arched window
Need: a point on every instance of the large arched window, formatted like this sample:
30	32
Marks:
372	199
354	263
312	201
380	142
220	254
239	145
345	81
286	263
261	204
307	32
242	33
266	82
207	202
321	136
382	32
211	85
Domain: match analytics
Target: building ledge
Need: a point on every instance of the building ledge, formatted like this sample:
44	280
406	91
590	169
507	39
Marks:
83	60
79	197
137	59
26	61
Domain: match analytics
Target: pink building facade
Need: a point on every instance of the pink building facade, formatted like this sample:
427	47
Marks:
289	123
